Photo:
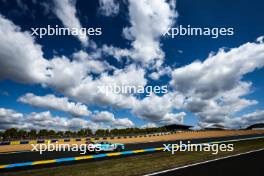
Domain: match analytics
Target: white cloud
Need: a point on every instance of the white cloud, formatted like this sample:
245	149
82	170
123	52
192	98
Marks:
246	119
260	39
149	19
153	107
122	123
92	65
15	63
71	77
173	118
88	90
67	73
149	125
160	72
45	120
108	119
66	12
57	103
220	72
103	116
108	7
157	109
214	88
9	118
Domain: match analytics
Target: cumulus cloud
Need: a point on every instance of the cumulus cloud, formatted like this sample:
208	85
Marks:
103	116
160	72
220	72
15	63
246	119
45	120
108	7
110	121
50	101
149	125
91	64
66	12
71	77
157	109
68	73
149	19
214	88
122	123
173	118
88	90
10	119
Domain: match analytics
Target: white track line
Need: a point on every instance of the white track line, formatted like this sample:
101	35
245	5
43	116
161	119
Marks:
234	140
203	162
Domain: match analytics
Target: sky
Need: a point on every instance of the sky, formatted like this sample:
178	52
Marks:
51	82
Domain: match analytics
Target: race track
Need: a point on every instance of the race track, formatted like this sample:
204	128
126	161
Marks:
28	156
246	164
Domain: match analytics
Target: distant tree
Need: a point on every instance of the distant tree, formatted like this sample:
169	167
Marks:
13	133
1	135
32	133
22	134
51	133
81	133
88	132
10	134
69	133
100	132
43	133
60	134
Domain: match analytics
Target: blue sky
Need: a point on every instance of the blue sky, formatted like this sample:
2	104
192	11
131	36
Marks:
206	85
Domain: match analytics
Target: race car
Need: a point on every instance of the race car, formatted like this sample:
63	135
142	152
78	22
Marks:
107	146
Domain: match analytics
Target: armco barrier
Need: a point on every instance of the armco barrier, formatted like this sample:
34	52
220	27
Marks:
86	157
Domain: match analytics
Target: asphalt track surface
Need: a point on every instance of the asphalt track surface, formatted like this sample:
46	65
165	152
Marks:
9	158
247	164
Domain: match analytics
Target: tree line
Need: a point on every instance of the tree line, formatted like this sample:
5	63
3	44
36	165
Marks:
16	134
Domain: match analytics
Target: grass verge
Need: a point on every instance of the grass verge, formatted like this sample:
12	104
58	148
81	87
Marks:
138	164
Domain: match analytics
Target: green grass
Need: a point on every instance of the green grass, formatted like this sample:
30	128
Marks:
138	164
